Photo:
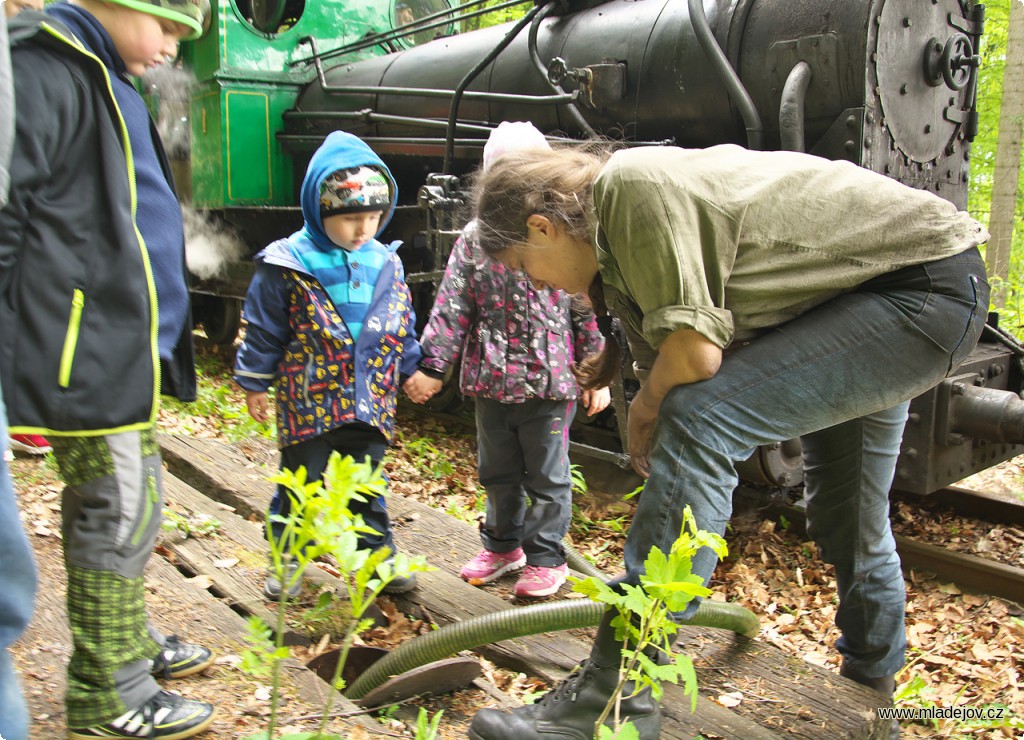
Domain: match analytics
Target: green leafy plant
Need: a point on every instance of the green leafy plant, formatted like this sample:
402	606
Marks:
458	511
196	525
426	726
321	522
388	713
579	483
634	493
428	459
328	616
644	624
583	523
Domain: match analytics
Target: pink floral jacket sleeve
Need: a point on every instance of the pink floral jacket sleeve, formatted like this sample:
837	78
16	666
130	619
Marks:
508	341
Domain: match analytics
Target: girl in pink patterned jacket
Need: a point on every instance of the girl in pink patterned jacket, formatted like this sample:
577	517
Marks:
517	343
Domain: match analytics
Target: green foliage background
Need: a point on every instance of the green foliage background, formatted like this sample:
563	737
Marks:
983	152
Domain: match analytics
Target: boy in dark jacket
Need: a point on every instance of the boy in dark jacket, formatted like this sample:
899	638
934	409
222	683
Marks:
92	237
330	321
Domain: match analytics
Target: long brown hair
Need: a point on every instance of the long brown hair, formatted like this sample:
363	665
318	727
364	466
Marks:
557	184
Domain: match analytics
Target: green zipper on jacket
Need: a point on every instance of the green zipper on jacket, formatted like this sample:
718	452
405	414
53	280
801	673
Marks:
147	266
67	355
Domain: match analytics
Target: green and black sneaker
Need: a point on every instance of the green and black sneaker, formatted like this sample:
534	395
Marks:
178	659
167	716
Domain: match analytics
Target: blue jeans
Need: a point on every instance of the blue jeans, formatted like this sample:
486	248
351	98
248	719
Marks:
17	591
839	377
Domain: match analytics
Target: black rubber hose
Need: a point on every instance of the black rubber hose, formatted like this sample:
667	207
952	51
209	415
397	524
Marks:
519	622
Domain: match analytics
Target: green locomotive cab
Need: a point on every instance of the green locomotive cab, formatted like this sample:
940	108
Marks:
249	70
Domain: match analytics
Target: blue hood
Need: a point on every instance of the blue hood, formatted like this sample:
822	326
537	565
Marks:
338	151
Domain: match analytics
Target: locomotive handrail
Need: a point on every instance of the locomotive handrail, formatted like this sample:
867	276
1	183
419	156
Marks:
427	92
460	89
791	107
447	16
369	115
739	94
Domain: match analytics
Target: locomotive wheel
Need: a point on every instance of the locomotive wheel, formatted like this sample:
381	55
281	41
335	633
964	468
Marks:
221	318
778	464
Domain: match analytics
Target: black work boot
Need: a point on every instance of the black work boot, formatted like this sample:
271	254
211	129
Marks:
885	686
571	708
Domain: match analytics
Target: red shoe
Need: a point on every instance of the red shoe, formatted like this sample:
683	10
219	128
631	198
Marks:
33	444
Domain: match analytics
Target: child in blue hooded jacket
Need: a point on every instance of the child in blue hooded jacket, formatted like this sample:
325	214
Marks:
330	322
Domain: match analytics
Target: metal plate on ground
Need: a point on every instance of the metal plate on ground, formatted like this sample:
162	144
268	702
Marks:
360	657
432	679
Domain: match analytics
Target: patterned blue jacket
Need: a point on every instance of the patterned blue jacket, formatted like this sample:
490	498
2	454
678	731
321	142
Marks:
296	337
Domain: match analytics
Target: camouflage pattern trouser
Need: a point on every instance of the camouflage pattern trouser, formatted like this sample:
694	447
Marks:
111	512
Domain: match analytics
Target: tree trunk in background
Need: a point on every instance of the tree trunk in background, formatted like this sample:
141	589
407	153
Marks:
1008	157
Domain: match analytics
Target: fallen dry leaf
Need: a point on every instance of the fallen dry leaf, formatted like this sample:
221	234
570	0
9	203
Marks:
732	699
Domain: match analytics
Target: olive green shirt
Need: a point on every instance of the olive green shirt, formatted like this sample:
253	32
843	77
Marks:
730	242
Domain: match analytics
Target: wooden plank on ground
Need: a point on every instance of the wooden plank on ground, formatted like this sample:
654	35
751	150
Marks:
234	559
221	472
791	696
779	690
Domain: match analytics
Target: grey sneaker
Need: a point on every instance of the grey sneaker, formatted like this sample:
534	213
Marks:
400	585
272	586
165	716
178	659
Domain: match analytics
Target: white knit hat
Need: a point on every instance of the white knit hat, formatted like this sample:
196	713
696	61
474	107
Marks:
511	136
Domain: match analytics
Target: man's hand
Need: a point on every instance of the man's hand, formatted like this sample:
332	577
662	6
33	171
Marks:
684	357
640	431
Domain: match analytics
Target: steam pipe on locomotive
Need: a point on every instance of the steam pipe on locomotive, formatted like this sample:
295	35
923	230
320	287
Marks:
887	84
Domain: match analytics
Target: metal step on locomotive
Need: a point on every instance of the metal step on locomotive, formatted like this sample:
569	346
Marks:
887	84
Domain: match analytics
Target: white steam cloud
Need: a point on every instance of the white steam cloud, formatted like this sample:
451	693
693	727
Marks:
169	90
209	246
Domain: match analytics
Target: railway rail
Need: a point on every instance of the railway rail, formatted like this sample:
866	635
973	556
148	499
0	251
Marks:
969	572
981	505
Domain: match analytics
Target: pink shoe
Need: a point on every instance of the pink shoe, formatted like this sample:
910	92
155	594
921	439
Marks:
33	444
487	565
537	580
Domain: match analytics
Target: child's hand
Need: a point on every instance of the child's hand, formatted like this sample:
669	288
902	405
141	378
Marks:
420	387
258	406
596	400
